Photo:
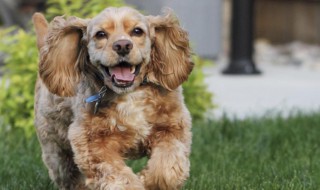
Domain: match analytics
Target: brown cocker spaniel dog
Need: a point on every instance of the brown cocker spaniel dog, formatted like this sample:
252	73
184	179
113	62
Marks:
109	90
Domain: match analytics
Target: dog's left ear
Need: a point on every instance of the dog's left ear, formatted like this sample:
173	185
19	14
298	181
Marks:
170	54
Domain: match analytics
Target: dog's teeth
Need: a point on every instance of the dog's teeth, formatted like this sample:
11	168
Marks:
132	69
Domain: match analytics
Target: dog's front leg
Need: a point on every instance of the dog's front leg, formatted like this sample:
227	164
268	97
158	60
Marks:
98	157
168	166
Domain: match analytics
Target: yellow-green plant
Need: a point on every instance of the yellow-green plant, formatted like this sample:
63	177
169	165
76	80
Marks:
20	69
197	96
79	8
17	83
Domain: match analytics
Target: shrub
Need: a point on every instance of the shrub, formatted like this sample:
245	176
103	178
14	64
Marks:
79	8
17	85
197	96
20	69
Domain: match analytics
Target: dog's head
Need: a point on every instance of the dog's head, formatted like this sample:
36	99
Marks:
123	46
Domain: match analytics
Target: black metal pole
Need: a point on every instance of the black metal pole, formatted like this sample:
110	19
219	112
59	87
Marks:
241	61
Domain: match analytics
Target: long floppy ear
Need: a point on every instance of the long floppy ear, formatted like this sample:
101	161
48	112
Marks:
62	54
170	54
41	28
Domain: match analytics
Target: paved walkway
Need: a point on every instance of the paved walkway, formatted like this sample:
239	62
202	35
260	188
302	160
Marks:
280	89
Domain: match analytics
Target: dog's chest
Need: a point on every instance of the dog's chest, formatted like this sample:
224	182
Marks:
131	115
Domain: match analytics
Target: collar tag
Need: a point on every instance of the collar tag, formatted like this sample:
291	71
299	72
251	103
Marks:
97	98
93	98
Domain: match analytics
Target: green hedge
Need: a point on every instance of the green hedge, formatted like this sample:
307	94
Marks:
20	69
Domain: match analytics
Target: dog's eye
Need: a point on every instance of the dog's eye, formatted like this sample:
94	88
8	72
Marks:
137	32
101	34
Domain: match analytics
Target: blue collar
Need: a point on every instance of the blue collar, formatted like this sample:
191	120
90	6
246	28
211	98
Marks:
97	97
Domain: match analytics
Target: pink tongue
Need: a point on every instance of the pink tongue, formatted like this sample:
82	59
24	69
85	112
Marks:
122	73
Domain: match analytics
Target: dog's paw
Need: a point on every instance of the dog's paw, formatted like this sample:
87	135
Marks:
121	186
115	182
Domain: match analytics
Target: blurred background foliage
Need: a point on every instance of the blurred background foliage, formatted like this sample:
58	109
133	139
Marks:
20	69
197	97
79	8
17	83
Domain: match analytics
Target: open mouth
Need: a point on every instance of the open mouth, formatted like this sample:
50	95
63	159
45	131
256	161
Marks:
123	74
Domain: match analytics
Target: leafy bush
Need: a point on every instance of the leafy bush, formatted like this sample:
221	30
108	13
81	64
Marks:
79	8
17	85
197	97
20	70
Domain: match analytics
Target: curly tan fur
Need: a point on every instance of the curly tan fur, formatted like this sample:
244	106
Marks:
83	150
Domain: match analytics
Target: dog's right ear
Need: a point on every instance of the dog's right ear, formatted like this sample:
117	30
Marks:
62	53
41	28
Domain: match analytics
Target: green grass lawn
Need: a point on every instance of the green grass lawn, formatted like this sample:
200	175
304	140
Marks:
264	153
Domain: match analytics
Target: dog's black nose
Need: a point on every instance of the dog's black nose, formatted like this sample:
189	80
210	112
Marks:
122	47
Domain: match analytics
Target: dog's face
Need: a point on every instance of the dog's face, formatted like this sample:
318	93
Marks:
119	45
124	46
